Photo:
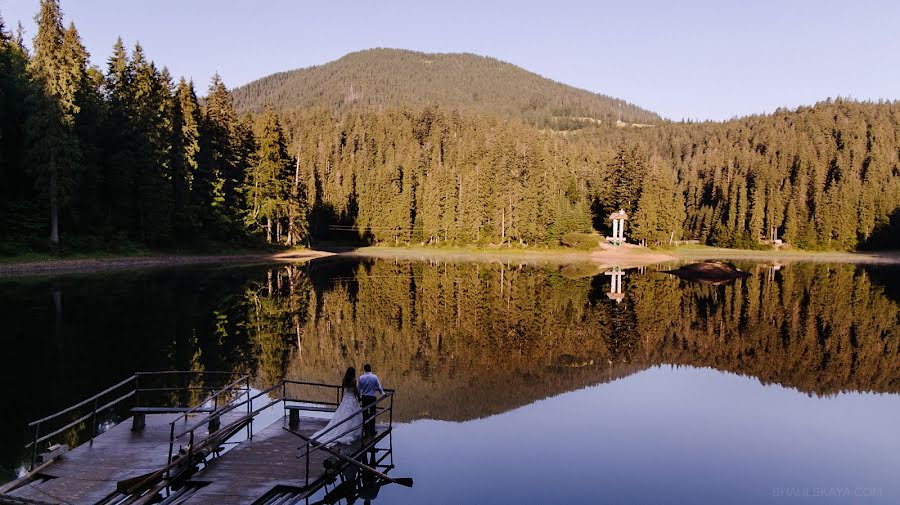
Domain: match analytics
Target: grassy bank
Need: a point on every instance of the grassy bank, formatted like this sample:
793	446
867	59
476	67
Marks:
457	253
699	252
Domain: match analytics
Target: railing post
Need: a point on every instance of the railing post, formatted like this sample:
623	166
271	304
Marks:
249	409
94	422
171	445
191	450
137	390
37	430
307	464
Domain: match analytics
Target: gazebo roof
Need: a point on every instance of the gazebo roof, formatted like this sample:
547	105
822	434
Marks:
619	214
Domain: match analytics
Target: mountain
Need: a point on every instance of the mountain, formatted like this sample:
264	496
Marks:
393	77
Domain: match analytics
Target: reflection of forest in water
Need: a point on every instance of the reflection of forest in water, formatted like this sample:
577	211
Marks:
458	341
468	340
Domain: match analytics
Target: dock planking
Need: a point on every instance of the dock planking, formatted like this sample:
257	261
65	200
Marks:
89	473
255	467
122	466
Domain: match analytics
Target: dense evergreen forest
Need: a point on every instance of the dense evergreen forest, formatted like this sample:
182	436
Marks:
384	78
125	156
112	159
821	177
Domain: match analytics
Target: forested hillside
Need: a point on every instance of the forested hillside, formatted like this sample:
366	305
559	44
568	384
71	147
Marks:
822	177
123	157
393	77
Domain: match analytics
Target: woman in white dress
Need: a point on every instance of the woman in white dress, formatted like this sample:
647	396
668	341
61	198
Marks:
349	407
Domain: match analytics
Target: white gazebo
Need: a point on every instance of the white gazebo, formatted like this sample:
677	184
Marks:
618	219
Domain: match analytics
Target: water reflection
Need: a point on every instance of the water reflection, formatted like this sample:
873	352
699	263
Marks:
460	341
615	284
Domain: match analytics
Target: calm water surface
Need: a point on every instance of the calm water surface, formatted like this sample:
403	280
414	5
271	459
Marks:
517	383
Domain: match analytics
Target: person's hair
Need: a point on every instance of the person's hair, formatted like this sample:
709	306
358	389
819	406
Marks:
367	367
349	378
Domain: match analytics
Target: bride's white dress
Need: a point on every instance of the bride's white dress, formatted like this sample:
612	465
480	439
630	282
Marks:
349	407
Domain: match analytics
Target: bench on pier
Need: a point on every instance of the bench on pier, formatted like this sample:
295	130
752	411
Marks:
294	412
140	414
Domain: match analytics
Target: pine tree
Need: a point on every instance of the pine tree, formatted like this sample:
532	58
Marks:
15	89
58	70
224	157
151	116
119	139
660	210
185	159
268	182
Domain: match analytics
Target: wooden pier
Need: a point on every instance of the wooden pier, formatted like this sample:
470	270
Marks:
217	451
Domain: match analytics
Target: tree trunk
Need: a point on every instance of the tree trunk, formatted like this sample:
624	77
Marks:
291	229
54	214
292	225
269	229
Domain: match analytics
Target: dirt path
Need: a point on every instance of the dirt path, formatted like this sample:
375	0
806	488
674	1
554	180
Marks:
88	265
628	255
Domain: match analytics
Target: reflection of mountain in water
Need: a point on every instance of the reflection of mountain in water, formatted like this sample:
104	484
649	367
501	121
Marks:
462	341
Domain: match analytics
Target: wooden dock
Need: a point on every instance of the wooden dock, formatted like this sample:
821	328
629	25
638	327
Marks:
269	464
90	472
221	455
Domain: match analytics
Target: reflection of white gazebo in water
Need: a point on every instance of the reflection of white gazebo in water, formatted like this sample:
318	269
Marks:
615	284
618	219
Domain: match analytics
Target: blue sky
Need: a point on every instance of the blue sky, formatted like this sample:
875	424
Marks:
683	59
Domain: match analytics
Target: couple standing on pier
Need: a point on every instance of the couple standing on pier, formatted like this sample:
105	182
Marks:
356	392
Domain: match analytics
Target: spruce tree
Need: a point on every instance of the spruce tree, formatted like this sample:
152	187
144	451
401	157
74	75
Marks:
186	124
225	155
268	181
57	69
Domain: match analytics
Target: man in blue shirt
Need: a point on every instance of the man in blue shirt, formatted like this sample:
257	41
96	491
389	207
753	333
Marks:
368	384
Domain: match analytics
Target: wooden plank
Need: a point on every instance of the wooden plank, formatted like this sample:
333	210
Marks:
171	410
90	472
270	459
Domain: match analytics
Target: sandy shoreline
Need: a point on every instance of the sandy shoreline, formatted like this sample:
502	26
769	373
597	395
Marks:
89	265
627	256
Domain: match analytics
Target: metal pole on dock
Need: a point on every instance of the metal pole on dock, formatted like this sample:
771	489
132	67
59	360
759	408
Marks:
307	464
94	422
171	444
37	430
249	409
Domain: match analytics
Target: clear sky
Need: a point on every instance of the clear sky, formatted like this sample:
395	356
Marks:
681	58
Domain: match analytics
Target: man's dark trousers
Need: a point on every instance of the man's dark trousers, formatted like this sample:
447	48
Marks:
368	403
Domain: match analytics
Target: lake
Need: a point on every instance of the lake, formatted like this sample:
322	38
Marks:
516	383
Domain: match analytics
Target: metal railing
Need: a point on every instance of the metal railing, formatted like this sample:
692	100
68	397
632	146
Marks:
241	385
105	401
313	399
389	410
225	398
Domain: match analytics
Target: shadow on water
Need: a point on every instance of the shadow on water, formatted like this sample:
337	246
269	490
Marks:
461	341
